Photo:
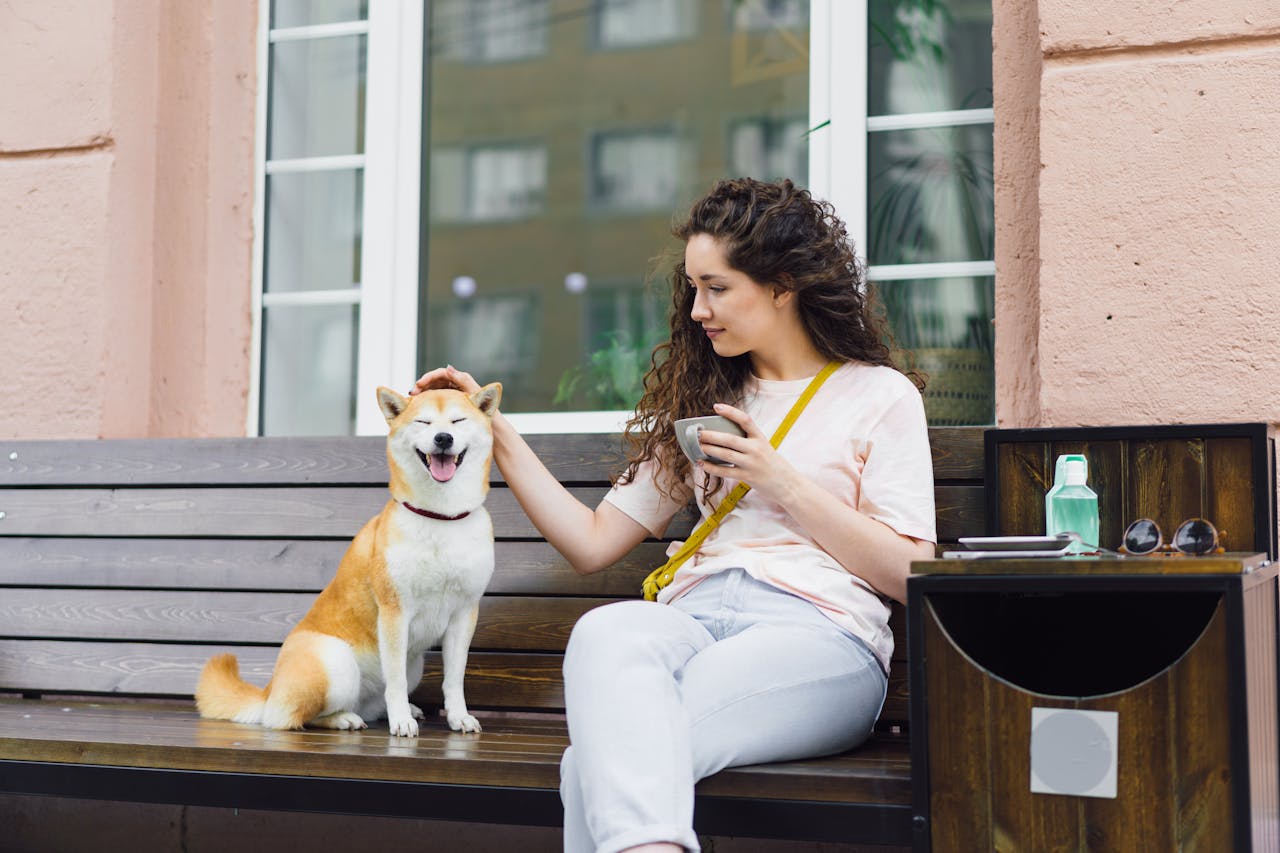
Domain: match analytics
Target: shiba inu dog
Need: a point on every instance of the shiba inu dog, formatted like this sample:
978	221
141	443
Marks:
412	578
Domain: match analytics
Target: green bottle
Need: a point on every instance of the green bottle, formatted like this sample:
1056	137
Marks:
1071	506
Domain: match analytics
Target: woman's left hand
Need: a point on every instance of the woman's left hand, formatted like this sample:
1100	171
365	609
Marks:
755	461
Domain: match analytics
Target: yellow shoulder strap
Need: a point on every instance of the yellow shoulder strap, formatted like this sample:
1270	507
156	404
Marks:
664	574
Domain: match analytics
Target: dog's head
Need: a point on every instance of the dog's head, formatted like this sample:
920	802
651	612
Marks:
440	446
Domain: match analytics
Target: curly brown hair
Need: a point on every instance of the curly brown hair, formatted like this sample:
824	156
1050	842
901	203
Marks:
775	233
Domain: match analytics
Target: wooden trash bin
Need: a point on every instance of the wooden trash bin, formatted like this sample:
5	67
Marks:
1094	703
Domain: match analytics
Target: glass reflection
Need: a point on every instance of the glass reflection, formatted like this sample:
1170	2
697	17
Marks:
313	230
489	30
558	153
943	329
305	13
317	98
931	195
311	347
928	55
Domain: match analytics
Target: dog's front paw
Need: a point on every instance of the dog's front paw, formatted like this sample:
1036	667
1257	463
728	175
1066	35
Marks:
464	723
403	725
345	721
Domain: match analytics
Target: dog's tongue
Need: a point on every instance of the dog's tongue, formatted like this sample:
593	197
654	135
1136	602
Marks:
443	467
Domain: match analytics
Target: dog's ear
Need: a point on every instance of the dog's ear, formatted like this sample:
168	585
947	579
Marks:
391	403
488	398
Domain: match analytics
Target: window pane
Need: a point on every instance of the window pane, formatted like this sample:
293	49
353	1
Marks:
317	98
490	333
635	23
946	324
636	170
769	14
489	30
928	56
930	195
553	181
623	323
770	148
304	13
488	183
313	230
309	370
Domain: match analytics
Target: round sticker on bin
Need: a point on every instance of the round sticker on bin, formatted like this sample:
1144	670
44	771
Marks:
1074	752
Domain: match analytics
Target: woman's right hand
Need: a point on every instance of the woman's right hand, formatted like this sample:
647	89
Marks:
445	377
589	539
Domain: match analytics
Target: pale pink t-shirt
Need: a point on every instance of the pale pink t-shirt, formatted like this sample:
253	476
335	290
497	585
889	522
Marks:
864	439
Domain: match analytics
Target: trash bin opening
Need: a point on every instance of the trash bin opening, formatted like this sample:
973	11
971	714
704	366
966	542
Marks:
1075	644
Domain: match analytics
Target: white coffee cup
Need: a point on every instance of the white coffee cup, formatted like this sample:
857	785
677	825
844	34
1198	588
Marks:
687	430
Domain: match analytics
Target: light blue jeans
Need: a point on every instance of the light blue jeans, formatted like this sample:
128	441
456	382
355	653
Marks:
658	697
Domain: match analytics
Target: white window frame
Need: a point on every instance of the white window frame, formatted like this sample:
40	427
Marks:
388	348
388	298
838	149
387	293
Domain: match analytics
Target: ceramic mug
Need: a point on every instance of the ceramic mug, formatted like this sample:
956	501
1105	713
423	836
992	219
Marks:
687	430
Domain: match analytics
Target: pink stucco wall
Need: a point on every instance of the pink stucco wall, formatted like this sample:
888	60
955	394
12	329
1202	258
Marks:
1140	286
1016	70
126	176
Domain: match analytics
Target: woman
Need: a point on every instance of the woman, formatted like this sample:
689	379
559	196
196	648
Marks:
772	641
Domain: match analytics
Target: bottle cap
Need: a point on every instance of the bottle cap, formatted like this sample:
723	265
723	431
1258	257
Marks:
1075	472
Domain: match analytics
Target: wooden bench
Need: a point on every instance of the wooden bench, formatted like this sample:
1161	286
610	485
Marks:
125	564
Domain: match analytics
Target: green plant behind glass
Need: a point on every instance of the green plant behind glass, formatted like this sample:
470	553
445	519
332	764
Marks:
612	377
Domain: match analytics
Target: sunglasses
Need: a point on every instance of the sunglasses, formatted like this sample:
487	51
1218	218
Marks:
1194	537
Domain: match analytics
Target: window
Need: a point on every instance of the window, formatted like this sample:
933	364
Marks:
758	15
489	30
930	209
638	23
769	148
339	130
558	143
488	183
312	200
637	170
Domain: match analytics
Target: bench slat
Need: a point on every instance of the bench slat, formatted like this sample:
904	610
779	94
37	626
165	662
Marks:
194	616
539	623
508	753
282	564
957	453
494	680
147	669
265	511
325	511
360	460
194	462
302	565
497	680
960	510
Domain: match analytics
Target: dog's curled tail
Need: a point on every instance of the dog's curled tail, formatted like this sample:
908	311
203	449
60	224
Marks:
221	694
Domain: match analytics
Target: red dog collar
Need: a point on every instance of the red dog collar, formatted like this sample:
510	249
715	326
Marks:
429	514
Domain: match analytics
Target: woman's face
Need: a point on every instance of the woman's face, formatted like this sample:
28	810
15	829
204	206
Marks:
735	311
